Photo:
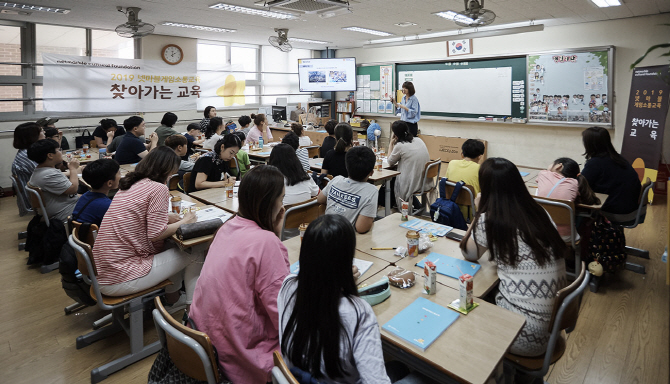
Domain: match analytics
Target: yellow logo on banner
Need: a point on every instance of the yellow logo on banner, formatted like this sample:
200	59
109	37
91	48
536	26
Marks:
643	173
232	91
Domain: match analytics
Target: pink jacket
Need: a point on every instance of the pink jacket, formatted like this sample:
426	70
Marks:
235	300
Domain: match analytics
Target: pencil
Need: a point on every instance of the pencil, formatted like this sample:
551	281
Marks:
383	248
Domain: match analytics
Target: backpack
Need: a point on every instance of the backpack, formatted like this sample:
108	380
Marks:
607	245
43	243
73	284
446	211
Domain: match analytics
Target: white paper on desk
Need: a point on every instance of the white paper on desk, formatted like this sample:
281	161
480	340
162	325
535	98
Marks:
374	85
366	93
362	265
381	104
212	213
366	106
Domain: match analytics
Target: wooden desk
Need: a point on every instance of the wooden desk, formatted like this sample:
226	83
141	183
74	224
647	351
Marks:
126	168
195	241
532	173
317	136
469	350
217	197
315	164
261	156
532	189
293	247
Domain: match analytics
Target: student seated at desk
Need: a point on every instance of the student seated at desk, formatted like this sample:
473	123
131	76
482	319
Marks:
132	149
211	169
608	172
213	133
303	155
467	169
179	144
243	162
334	163
102	175
411	155
328	141
119	134
54	134
192	134
59	190
22	167
260	126
353	197
526	247
563	181
130	251
167	127
235	301
244	125
299	187
304	140
105	133
209	112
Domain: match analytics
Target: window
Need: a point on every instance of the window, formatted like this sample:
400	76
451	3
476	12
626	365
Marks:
39	93
284	82
212	56
11	92
109	44
247	58
60	40
10	50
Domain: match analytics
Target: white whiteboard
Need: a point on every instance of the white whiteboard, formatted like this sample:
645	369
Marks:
479	91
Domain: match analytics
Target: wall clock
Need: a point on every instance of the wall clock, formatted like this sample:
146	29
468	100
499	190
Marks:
172	54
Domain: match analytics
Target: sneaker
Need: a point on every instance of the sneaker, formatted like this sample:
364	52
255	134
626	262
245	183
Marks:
178	305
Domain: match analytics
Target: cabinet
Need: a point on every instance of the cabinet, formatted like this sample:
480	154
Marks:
345	110
323	110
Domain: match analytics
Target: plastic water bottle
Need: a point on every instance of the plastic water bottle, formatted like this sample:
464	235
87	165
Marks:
102	152
260	142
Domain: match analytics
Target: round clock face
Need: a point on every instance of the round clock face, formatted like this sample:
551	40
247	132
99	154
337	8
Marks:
172	54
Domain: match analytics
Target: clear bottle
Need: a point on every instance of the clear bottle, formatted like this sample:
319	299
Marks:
260	142
102	152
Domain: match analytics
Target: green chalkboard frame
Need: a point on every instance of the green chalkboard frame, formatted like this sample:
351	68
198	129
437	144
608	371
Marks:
517	63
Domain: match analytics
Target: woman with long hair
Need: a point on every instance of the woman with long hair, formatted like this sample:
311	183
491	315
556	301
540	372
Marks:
523	241
213	133
211	169
608	172
411	155
130	253
209	112
334	163
235	301
299	186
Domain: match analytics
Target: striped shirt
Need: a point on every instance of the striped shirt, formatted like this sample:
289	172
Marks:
123	250
23	168
303	156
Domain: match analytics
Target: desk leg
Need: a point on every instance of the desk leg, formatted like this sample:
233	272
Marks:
387	207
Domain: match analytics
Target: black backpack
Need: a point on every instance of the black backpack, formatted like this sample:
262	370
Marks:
446	211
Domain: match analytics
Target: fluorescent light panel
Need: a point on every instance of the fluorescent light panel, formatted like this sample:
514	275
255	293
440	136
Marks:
254	11
606	3
198	27
454	16
365	30
37	8
301	40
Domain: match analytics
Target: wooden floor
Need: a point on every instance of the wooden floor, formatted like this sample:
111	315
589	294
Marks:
621	336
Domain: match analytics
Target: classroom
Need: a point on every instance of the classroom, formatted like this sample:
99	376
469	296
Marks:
277	142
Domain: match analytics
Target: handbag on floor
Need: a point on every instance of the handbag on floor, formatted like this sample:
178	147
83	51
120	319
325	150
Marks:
607	245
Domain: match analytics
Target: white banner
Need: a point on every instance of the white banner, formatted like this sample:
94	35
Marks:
92	85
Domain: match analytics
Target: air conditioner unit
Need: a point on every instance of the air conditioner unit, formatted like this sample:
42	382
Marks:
306	6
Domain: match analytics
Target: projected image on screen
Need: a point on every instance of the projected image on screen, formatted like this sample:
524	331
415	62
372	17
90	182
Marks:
338	76
317	77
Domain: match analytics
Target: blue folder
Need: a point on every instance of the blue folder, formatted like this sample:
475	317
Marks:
449	266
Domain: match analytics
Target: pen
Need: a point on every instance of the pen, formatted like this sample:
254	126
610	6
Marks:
383	248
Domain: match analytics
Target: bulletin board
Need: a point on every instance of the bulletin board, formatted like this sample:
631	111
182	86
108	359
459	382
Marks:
374	89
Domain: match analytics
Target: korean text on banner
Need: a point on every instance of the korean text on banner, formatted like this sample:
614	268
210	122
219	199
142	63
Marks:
645	120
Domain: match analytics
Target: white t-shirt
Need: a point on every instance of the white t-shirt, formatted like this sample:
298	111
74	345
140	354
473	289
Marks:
350	198
305	141
209	143
300	192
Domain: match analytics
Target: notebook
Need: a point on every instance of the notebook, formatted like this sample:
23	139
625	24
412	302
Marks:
449	266
213	213
427	226
421	323
362	266
524	174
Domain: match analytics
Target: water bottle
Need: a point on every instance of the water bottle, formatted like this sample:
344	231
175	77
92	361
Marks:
102	152
260	142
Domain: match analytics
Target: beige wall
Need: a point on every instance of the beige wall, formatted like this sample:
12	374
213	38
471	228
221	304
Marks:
152	47
539	145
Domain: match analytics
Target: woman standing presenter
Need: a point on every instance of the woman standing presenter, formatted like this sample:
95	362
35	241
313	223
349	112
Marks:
410	111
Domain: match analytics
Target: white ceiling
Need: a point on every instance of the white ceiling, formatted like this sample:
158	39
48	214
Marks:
374	14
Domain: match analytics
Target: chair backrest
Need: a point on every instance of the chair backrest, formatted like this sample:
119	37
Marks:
233	163
466	197
85	260
299	213
173	182
191	351
566	309
642	204
24	206
431	172
281	366
187	181
313	151
35	195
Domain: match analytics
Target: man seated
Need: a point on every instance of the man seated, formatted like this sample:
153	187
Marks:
102	175
353	197
59	189
132	149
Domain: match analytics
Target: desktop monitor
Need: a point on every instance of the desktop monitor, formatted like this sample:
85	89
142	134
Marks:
278	112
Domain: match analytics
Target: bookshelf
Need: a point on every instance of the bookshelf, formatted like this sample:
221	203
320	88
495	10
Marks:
345	110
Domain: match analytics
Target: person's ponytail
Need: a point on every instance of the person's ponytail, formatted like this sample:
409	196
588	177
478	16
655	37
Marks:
586	194
341	146
344	135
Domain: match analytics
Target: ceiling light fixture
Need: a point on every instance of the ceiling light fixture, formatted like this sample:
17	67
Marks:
365	30
254	11
404	24
606	3
301	40
198	27
37	8
453	16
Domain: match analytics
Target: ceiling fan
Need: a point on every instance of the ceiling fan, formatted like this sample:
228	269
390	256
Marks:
281	40
134	27
474	15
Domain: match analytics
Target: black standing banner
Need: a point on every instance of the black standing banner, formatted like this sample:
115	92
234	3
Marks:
645	120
